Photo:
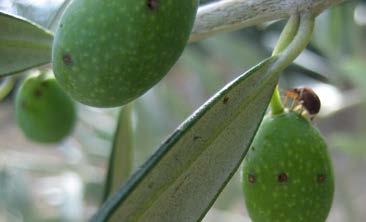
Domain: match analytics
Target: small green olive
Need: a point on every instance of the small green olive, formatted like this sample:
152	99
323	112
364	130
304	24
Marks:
43	111
287	174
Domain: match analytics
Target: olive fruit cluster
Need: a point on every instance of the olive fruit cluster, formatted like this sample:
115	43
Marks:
287	174
107	53
43	111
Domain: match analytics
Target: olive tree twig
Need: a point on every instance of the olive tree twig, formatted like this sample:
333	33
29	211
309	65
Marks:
230	15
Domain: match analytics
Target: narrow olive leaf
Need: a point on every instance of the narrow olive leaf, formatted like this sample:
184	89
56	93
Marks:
6	86
23	44
183	178
52	23
121	158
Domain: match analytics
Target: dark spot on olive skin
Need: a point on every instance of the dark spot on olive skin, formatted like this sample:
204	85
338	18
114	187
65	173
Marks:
320	178
150	186
251	178
37	93
67	59
153	4
282	177
61	25
226	100
196	138
44	84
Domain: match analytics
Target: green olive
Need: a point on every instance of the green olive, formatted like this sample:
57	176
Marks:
287	174
44	112
107	53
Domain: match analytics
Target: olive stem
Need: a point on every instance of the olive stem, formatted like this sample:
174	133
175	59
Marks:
288	50
230	15
287	35
276	103
285	39
298	44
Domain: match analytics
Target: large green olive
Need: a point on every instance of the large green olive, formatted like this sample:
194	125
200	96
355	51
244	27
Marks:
107	53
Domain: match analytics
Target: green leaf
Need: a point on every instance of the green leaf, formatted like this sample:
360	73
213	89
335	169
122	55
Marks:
183	178
23	44
52	23
121	159
6	86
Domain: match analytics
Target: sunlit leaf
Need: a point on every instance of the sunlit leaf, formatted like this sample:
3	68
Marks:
183	178
23	44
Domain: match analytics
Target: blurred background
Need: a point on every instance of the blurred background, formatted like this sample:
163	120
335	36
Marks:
64	182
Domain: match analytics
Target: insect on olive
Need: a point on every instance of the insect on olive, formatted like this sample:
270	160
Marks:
304	99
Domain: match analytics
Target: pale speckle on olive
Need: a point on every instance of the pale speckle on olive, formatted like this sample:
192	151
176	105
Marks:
263	187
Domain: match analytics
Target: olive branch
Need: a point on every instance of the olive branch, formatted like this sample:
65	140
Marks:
230	15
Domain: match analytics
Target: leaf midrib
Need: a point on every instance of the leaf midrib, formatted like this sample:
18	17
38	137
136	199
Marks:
191	163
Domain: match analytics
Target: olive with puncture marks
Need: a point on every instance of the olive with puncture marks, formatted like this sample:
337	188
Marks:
43	111
108	53
288	176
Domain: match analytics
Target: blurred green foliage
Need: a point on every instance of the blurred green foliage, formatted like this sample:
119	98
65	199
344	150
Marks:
336	58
